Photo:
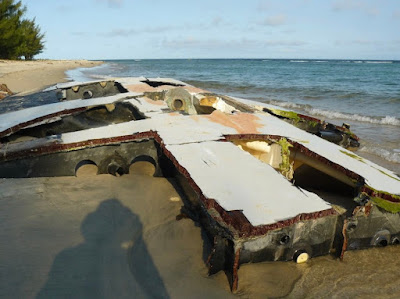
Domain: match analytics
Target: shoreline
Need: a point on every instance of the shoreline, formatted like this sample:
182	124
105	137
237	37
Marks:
26	76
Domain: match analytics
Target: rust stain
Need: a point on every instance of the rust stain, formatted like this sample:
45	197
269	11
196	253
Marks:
235	275
164	87
345	239
237	222
174	113
196	118
140	87
243	123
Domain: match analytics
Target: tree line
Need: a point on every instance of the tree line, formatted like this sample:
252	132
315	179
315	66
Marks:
19	37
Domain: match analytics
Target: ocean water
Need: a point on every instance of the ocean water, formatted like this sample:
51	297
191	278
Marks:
364	94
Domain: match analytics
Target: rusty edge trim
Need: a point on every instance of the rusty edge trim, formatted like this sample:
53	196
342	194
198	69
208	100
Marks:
239	225
54	146
339	128
345	239
301	148
235	270
375	193
237	222
23	125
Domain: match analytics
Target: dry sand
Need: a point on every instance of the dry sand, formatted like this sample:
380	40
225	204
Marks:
23	76
109	237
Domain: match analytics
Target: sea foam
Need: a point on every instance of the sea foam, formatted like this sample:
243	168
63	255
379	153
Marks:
387	120
383	153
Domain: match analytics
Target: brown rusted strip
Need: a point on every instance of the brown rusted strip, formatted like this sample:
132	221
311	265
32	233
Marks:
235	270
235	220
61	147
240	226
23	125
309	118
345	239
383	195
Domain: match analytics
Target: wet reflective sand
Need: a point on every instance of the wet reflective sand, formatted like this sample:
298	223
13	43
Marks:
108	237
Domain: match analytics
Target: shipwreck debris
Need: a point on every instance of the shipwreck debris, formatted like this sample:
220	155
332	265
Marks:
4	91
265	184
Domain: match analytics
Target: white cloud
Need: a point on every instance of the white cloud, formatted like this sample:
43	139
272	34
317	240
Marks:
112	3
286	43
265	5
192	42
130	31
241	43
360	42
355	5
276	20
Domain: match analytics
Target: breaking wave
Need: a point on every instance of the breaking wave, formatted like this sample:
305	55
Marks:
387	120
383	153
307	109
300	61
288	105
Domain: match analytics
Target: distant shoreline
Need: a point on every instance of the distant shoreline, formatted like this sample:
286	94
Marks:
24	76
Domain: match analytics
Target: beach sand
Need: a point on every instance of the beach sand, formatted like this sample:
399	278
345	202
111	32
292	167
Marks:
26	76
119	237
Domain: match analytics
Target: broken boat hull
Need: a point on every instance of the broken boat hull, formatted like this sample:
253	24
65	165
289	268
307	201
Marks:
263	189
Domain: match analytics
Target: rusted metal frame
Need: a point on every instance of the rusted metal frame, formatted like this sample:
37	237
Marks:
57	147
23	125
366	210
301	148
345	239
235	270
339	128
236	219
352	175
383	195
310	118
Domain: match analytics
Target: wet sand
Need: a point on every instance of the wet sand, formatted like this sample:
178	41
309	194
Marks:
24	76
109	237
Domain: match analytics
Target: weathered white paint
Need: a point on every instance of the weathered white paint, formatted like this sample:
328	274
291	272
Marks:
234	178
11	119
237	181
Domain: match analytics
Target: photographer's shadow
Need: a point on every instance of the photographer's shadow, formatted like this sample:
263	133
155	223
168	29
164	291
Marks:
113	262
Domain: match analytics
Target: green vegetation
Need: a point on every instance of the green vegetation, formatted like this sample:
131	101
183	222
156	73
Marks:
389	206
18	37
286	168
353	156
381	171
287	114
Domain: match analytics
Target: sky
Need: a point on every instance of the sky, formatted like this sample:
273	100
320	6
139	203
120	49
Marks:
139	29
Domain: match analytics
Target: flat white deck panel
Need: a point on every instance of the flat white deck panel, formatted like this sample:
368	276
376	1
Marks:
173	128
238	181
375	176
146	105
14	118
178	129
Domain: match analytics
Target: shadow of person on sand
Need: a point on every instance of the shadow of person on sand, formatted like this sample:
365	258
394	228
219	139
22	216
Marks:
113	262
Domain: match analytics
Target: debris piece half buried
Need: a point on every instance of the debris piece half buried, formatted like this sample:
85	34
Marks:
262	186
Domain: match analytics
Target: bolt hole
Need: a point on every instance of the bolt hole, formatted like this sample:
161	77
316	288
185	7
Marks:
284	240
351	227
178	104
115	170
87	94
383	243
396	241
